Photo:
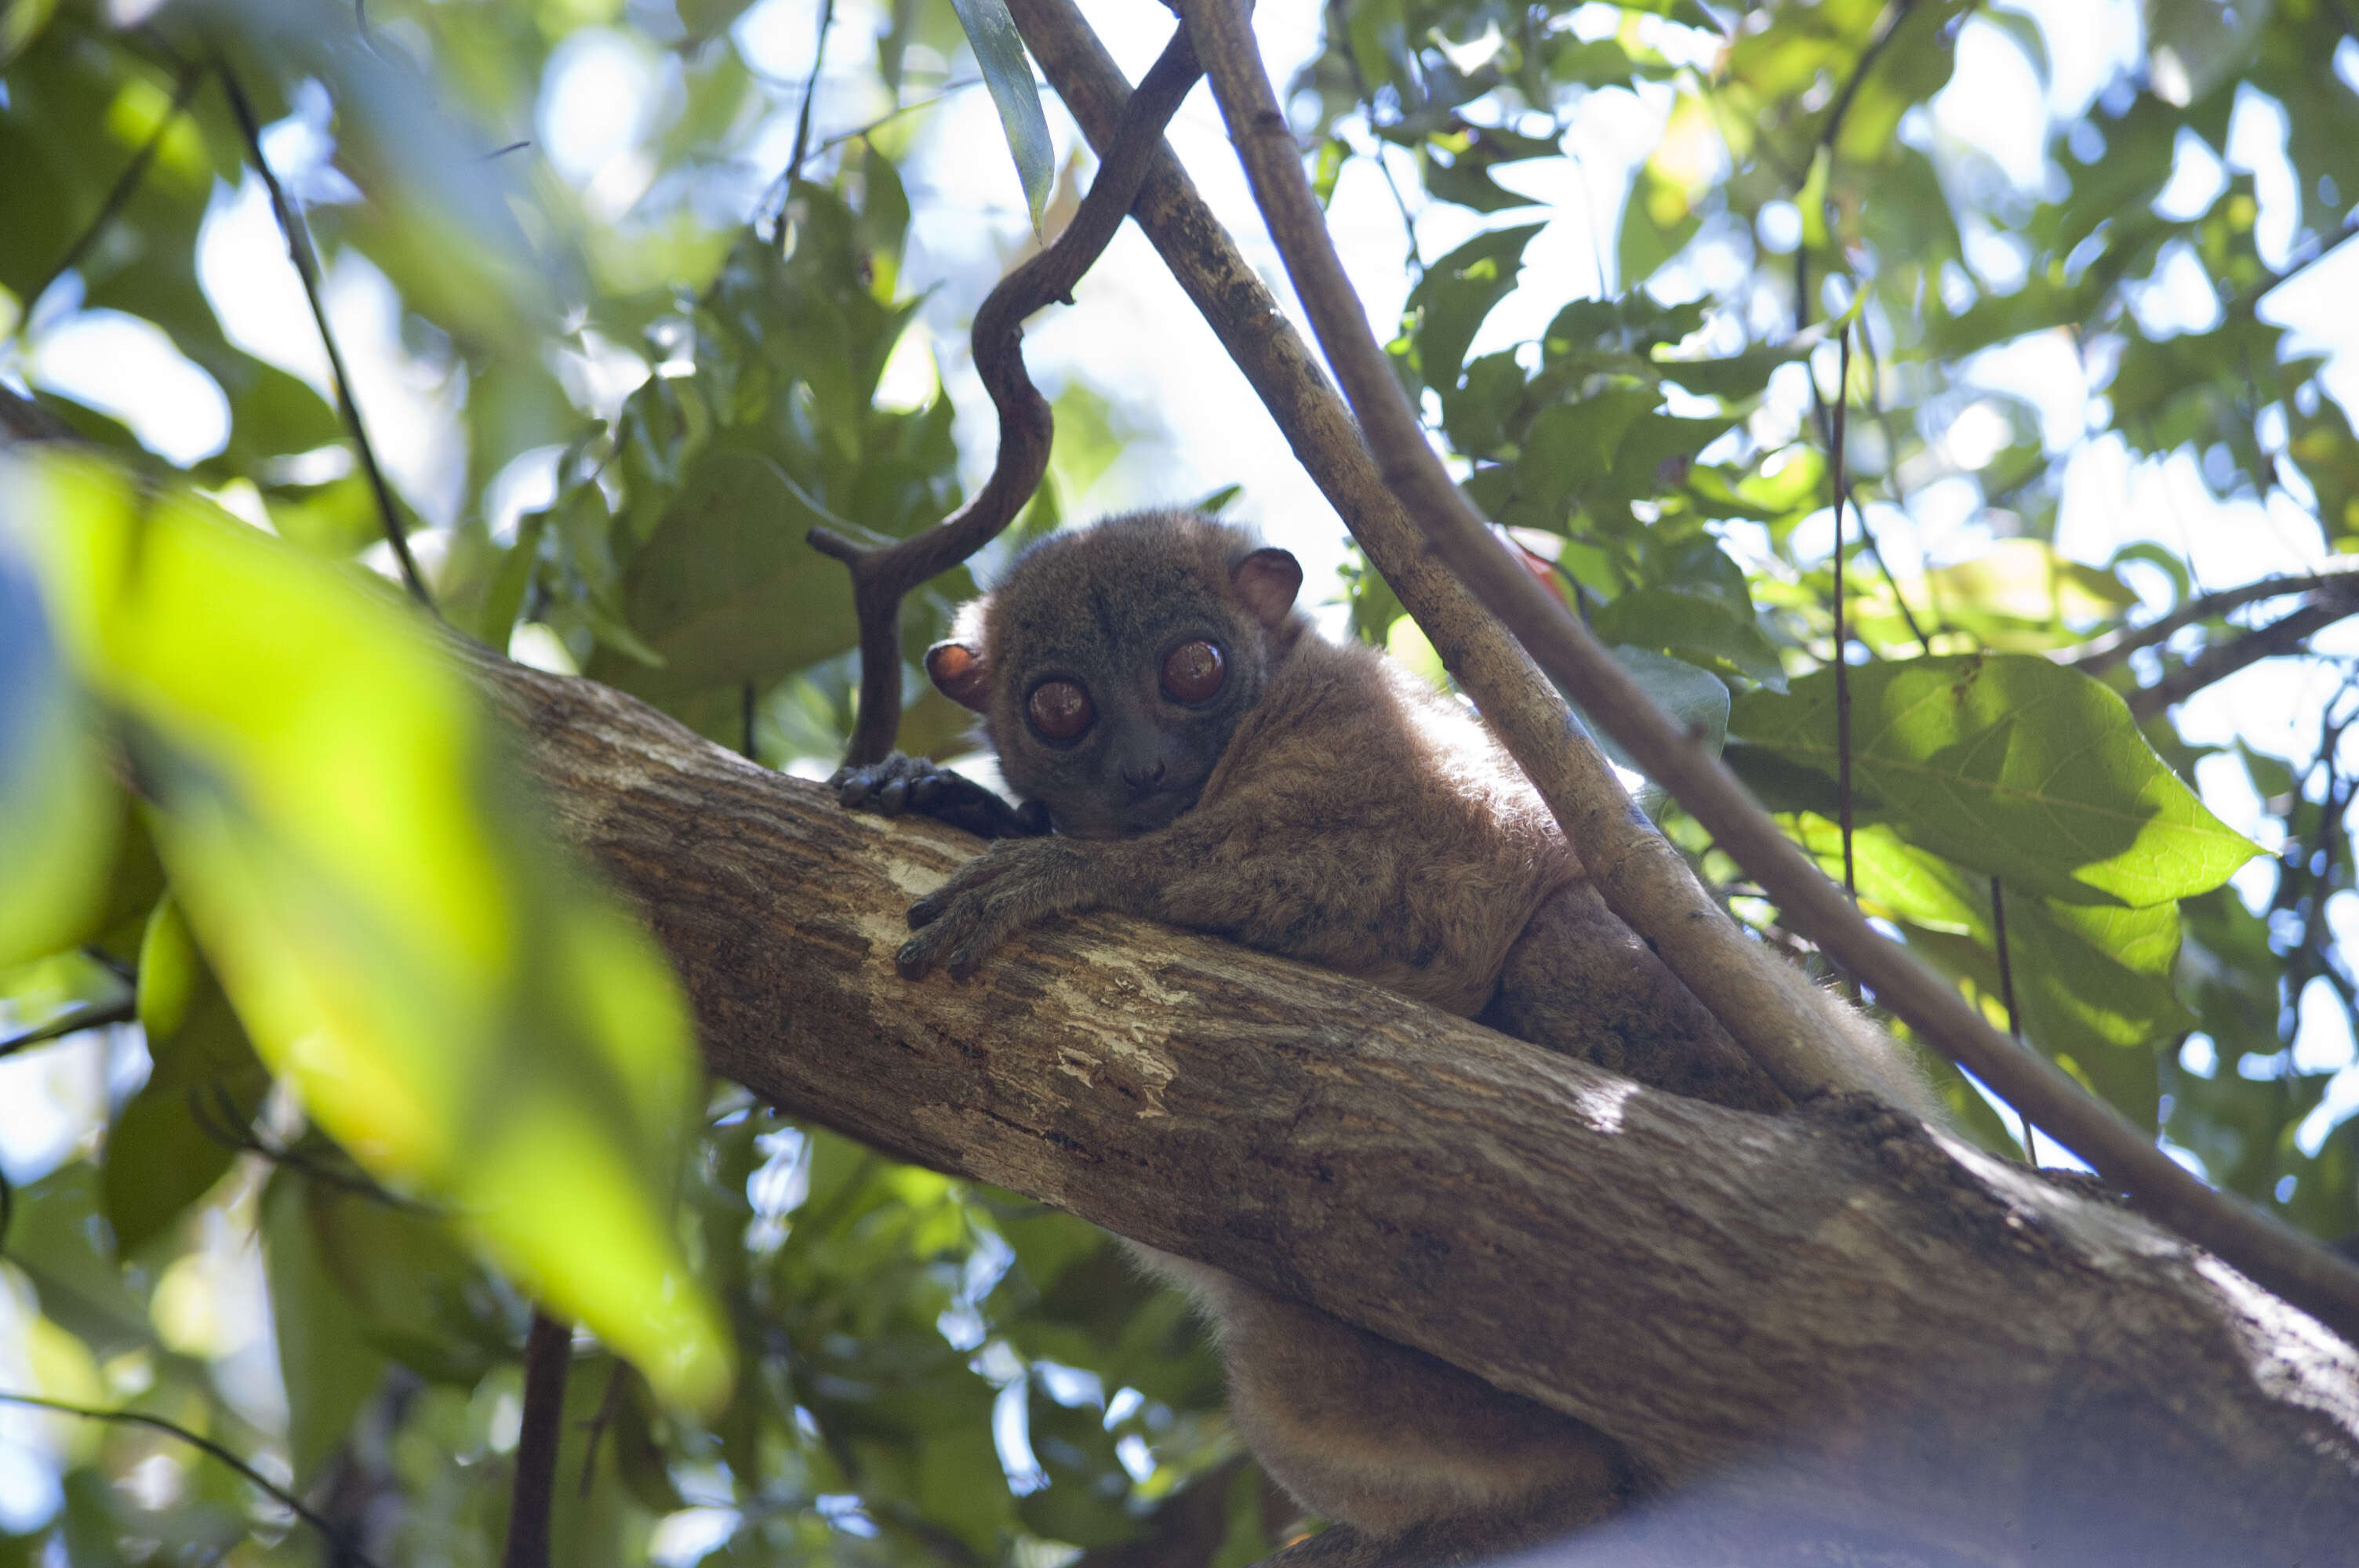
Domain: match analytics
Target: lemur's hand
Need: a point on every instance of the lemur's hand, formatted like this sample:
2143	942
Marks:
1007	888
902	783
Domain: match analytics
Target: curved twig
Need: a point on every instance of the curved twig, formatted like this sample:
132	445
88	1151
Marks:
253	1477
882	574
2098	654
1650	887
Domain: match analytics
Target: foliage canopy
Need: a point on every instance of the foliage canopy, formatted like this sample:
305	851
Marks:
387	1033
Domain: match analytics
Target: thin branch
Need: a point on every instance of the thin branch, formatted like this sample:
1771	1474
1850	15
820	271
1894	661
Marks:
594	1428
547	1357
1649	887
307	267
2218	661
253	1477
2006	967
2098	654
126	184
810	90
1826	139
1894	15
95	1016
219	1118
859	133
1892	449
1842	664
883	574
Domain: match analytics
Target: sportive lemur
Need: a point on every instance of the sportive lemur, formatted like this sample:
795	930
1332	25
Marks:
1206	758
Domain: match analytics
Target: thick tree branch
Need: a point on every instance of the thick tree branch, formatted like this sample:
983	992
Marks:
1657	896
882	575
1935	1336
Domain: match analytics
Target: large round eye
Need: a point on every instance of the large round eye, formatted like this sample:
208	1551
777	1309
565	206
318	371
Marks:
1060	710
1192	672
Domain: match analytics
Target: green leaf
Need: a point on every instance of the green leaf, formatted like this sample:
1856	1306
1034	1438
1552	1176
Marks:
1447	307
173	1140
2019	768
1694	699
1657	222
2092	982
1007	72
458	1007
59	809
1691	627
726	590
329	1367
55	1234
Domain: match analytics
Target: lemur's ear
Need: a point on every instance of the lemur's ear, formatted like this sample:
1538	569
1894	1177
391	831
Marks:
960	674
1267	581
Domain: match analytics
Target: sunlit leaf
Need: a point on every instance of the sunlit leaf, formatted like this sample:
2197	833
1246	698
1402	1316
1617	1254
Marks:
2008	764
452	1004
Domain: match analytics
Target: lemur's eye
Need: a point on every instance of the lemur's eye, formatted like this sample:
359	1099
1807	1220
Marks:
1194	672
1060	710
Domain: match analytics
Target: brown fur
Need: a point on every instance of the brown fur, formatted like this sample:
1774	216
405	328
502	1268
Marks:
1330	807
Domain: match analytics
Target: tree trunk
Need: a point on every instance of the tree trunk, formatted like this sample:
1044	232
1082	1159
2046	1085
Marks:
1854	1329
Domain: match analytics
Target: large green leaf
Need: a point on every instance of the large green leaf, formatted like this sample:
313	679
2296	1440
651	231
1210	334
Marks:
2007	763
453	1003
2092	982
726	590
1691	627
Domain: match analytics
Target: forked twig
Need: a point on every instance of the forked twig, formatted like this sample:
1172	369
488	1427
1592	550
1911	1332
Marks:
883	574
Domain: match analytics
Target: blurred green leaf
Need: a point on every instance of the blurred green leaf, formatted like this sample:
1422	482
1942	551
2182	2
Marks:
450	1000
59	808
174	1138
328	1365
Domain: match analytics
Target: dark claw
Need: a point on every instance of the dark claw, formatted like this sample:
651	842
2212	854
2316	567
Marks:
893	797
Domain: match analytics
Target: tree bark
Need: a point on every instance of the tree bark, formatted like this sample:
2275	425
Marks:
1833	1315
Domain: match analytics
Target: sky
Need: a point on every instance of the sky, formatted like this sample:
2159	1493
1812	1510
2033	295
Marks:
1197	426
